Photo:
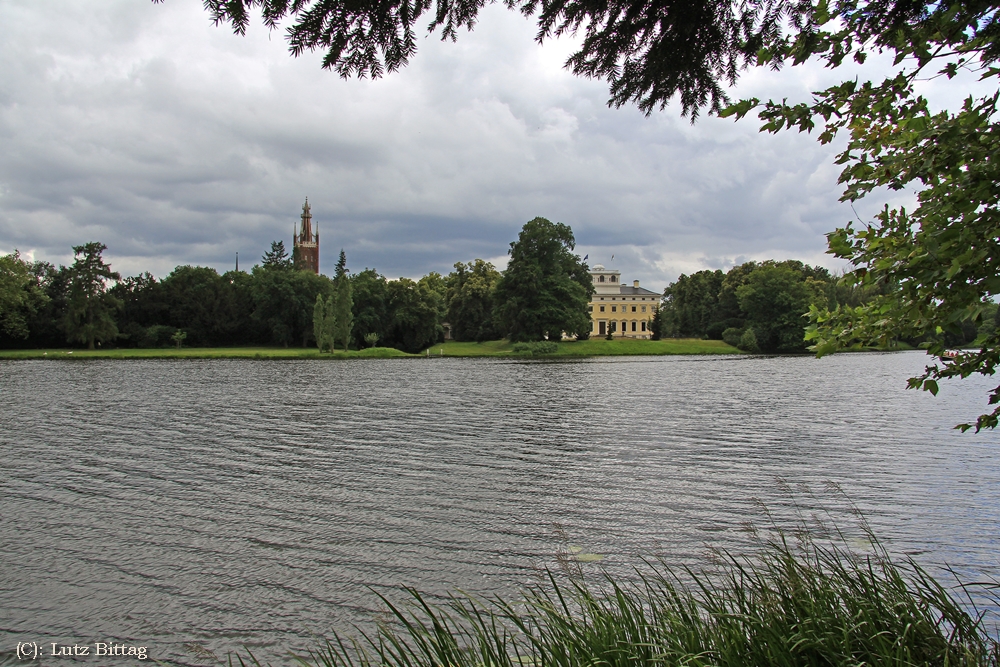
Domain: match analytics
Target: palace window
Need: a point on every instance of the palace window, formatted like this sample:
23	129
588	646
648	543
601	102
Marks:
600	279
644	325
590	309
644	309
613	279
602	309
614	309
633	310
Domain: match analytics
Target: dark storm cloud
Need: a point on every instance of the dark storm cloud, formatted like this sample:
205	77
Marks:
174	142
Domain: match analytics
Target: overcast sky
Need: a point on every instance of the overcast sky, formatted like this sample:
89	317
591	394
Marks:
173	141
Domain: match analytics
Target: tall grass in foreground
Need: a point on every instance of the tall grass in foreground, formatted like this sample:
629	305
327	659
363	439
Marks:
807	605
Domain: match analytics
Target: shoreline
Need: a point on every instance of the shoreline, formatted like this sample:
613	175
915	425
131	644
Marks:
496	349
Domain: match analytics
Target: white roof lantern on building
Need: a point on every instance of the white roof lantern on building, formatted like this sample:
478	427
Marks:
606	281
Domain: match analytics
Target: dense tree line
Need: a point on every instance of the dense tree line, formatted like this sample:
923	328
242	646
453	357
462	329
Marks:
543	293
763	306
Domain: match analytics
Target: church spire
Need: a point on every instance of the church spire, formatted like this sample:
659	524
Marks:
305	252
306	234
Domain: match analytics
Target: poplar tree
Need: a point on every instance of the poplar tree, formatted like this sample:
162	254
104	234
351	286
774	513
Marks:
319	321
344	303
330	324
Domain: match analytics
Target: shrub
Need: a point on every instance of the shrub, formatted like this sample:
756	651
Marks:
158	335
731	336
538	347
748	341
178	338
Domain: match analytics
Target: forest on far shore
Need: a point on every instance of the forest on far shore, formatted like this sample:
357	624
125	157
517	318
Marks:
760	306
543	294
275	304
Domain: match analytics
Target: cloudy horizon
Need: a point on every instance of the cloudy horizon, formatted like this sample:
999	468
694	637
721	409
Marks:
174	142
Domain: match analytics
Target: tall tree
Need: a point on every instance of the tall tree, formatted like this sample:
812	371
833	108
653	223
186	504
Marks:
90	316
343	303
284	301
330	323
546	288
319	324
341	269
369	292
344	315
277	257
774	300
413	309
469	300
195	299
47	326
690	306
21	295
142	306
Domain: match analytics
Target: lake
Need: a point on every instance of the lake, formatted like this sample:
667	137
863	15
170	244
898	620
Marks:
207	505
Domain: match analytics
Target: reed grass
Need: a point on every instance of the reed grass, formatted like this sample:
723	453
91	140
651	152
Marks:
807	605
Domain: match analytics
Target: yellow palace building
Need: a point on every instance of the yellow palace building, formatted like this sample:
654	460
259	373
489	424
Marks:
627	311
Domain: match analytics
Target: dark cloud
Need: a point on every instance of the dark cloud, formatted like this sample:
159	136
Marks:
175	142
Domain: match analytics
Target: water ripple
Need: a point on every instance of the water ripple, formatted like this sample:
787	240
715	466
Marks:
226	503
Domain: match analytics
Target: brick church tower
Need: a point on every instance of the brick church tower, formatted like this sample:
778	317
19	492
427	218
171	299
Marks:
305	244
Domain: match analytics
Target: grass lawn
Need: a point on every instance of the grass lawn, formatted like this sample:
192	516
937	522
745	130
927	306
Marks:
206	353
589	348
496	348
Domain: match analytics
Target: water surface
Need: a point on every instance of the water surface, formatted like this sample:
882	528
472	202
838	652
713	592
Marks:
223	503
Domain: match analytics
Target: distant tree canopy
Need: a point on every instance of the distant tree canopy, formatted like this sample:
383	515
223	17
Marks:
22	295
543	293
469	300
770	300
546	288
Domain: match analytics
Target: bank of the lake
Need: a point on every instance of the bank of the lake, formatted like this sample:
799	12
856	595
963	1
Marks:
497	348
205	353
